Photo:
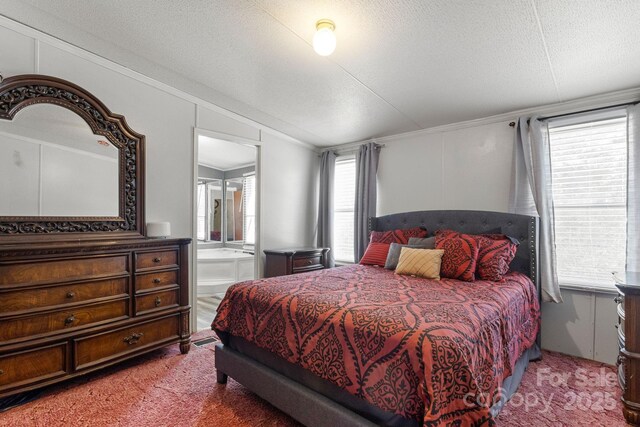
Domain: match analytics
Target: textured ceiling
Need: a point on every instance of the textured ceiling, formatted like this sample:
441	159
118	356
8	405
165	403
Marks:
399	65
224	155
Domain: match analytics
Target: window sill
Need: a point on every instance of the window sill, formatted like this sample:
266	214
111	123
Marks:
600	289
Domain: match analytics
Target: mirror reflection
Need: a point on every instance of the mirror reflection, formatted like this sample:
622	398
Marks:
226	194
240	209
234	210
51	164
209	206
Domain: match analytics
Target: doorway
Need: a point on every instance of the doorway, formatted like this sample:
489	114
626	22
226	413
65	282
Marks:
226	218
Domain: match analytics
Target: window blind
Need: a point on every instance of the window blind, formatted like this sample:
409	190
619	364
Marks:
589	183
343	204
249	206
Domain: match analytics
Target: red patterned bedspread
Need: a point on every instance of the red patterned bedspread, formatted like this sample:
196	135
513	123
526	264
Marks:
423	349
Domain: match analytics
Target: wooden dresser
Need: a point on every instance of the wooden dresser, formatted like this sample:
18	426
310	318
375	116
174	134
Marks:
282	262
628	306
68	308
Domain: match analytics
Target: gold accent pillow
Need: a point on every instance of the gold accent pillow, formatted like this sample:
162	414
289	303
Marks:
420	262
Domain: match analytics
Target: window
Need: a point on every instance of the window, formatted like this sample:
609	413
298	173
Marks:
202	211
343	208
249	195
589	183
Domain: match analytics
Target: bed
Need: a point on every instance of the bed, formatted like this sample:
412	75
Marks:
359	345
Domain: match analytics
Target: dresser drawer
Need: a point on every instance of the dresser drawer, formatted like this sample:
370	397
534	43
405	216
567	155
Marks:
158	259
158	279
303	263
307	269
307	262
156	300
62	270
60	320
32	366
111	345
14	301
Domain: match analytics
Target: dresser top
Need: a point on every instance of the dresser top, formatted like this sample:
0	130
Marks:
82	245
628	283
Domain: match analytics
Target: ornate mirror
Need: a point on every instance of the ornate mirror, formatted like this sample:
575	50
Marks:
67	164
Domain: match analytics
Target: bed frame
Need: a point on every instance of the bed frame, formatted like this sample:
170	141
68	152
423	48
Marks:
314	409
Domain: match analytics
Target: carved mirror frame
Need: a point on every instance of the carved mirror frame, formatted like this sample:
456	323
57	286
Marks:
18	92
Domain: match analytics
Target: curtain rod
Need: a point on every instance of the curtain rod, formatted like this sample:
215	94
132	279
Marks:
349	148
625	104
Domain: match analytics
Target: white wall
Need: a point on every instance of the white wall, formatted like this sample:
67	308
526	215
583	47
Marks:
294	195
460	169
167	117
469	167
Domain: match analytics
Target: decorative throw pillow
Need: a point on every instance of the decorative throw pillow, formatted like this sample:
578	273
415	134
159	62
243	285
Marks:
420	262
376	254
394	253
495	253
398	236
425	242
460	255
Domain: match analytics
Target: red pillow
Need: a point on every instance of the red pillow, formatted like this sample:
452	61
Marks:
460	255
495	253
398	236
376	254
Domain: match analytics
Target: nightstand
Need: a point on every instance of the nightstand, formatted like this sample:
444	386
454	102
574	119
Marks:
282	262
628	307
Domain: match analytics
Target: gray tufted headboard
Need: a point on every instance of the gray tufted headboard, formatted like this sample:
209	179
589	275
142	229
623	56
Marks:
522	227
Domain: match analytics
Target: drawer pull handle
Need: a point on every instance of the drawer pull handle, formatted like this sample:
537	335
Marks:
69	320
158	302
1	372
71	295
156	281
133	338
309	262
157	259
617	299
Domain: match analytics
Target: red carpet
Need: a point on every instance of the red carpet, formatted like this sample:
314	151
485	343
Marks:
166	388
563	390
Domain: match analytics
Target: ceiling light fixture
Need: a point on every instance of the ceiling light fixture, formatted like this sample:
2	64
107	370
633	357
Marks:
324	41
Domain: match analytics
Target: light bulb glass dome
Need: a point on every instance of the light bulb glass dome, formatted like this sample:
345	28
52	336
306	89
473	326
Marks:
324	41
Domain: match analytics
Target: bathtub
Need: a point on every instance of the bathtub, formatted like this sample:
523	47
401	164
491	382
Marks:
219	268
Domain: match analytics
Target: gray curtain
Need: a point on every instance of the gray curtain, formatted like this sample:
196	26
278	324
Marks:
531	194
521	198
366	195
325	204
633	188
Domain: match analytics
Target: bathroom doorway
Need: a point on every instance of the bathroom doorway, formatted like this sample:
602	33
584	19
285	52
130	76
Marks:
226	214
